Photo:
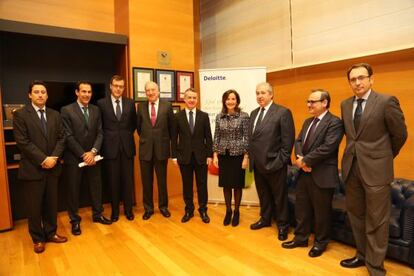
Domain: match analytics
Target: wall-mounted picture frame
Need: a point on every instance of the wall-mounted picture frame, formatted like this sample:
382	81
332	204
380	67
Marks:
176	108
184	81
166	83
140	77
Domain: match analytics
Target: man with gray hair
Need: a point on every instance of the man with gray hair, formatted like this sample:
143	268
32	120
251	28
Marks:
272	134
316	150
156	127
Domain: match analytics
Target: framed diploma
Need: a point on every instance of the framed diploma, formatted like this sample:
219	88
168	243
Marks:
184	80
141	77
166	83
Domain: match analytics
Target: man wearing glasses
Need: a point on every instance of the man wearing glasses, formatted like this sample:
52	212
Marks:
375	132
316	150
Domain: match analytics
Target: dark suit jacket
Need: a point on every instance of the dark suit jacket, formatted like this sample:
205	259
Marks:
199	142
322	155
117	133
381	134
34	145
81	137
155	139
270	145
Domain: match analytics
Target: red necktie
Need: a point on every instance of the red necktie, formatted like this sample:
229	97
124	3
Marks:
153	114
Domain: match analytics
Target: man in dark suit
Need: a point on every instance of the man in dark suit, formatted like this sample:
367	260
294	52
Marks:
119	123
375	132
272	134
194	153
83	128
316	150
39	135
156	128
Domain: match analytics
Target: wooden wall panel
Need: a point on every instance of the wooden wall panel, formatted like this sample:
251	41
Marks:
393	74
92	15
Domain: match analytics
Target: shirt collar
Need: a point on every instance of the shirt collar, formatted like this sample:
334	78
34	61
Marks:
81	105
320	117
36	108
365	97
114	99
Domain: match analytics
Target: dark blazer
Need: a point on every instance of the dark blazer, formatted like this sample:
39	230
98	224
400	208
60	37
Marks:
381	134
118	132
322	155
270	145
34	145
199	142
155	139
81	137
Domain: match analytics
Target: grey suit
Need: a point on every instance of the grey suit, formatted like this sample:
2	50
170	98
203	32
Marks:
40	185
154	151
270	147
315	189
367	169
81	137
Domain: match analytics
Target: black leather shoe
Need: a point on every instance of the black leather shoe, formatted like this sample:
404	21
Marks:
293	244
187	216
147	215
352	262
236	219
227	218
259	225
103	220
76	230
316	251
165	212
283	234
129	216
204	217
114	218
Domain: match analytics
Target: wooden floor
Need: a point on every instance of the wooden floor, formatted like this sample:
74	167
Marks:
163	246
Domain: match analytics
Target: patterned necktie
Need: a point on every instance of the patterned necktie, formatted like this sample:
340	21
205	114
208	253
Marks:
259	120
118	110
311	133
153	114
358	114
191	121
85	114
43	121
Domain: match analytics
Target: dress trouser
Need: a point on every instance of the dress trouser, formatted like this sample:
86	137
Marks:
369	208
187	174
147	178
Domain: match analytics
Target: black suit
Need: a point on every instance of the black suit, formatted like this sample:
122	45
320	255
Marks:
154	151
81	137
40	185
118	149
315	190
270	147
192	152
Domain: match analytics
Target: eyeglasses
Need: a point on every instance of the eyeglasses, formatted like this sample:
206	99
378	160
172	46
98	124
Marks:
313	102
359	78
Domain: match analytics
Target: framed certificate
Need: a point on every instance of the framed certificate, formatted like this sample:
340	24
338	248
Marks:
184	80
140	77
166	83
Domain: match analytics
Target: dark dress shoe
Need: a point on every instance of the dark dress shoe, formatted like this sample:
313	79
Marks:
187	217
352	262
147	215
259	225
103	220
57	239
114	218
204	217
165	212
283	234
39	247
293	244
236	219
129	216
76	230
316	251
227	218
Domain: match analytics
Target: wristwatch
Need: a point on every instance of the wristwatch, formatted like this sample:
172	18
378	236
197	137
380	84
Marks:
94	151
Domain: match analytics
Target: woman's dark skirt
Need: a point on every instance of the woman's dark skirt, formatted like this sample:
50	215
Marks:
231	174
